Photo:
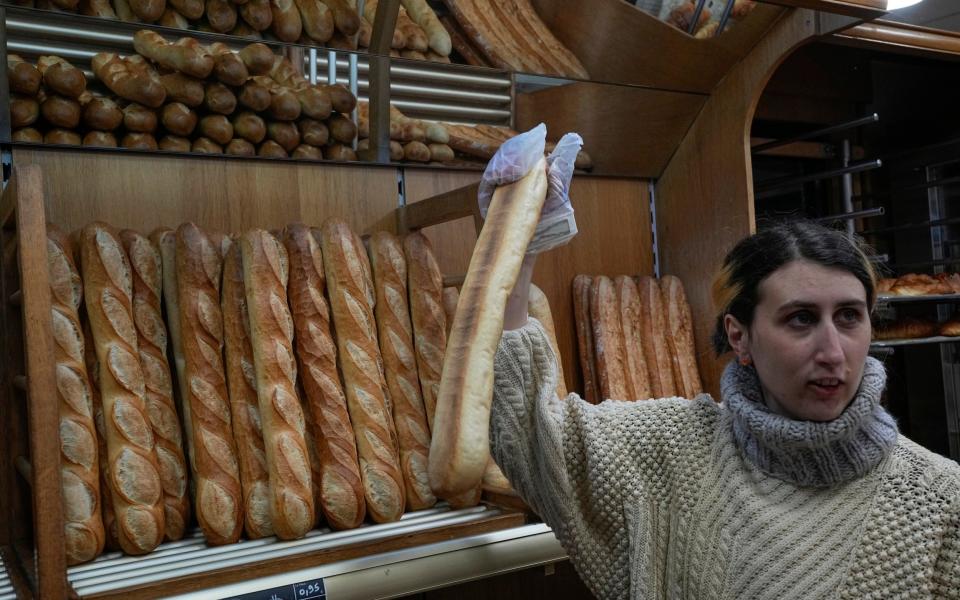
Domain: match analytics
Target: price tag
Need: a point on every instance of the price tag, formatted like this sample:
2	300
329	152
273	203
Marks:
305	590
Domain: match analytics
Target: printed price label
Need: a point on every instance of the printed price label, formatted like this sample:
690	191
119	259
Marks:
305	590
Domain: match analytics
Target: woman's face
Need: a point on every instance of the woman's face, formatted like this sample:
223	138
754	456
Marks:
808	341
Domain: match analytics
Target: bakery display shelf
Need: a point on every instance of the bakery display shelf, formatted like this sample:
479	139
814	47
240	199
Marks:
917	299
937	339
6	584
189	565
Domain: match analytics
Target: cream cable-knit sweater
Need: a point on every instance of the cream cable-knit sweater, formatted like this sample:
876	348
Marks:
656	499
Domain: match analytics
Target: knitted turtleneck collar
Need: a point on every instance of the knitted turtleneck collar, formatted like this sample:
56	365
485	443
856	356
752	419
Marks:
810	453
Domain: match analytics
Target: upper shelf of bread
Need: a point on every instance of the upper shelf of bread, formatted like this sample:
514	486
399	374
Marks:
607	41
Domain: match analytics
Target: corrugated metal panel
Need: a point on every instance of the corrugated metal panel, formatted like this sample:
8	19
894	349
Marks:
423	89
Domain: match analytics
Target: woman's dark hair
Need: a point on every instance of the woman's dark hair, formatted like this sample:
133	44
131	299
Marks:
754	258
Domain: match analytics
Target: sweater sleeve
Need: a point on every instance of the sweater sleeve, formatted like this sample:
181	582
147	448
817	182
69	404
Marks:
946	573
576	464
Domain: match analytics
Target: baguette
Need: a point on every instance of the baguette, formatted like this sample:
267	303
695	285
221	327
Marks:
244	403
109	518
462	44
286	25
460	447
265	274
97	8
178	119
608	340
171	18
228	67
173	143
451	296
423	15
126	14
398	40
79	466
186	55
318	22
653	335
240	147
415	35
258	15
182	88
23	111
351	302
222	16
134	481
396	345
440	153
539	308
581	311
680	337
60	112
102	114
123	79
100	139
635	364
416	152
213	454
190	9
148	11
27	134
60	77
152	345
62	137
345	17
307	152
425	286
341	489
22	77
218	128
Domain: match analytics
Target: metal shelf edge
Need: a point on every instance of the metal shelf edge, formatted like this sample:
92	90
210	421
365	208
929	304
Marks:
416	569
938	339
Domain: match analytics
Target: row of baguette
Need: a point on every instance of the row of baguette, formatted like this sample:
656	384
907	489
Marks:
919	284
680	14
304	368
635	338
334	23
909	328
207	99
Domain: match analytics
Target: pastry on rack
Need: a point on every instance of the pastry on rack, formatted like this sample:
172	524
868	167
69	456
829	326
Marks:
906	329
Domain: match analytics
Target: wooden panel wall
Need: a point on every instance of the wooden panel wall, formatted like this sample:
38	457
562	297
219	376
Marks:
705	196
145	191
613	217
627	131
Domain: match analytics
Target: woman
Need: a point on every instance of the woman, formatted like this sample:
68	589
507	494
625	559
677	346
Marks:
797	485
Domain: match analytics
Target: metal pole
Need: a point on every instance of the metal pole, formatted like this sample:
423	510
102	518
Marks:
725	17
331	67
692	27
312	66
818	132
849	216
781	182
848	188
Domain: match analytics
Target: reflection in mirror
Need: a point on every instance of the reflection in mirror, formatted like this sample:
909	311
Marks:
936	14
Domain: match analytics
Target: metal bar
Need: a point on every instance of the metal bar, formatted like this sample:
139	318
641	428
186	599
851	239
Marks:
939	339
849	216
906	226
819	132
781	182
331	67
725	17
848	187
312	66
910	188
692	27
354	89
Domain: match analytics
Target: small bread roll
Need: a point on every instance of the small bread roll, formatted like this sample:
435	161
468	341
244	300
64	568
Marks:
206	146
240	147
62	136
139	141
61	112
102	114
218	128
284	133
308	152
339	152
101	139
249	127
416	151
24	111
314	132
139	119
178	119
219	99
271	149
27	134
174	143
341	128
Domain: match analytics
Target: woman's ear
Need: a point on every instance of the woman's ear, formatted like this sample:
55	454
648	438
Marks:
737	335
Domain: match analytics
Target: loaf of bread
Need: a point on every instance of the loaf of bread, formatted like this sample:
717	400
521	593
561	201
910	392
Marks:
79	466
178	119
581	312
60	112
608	340
341	488
190	9
460	446
905	329
425	285
307	152
421	13
950	327
139	141
653	336
351	300
265	273
213	453
250	127
271	149
399	359
244	403
634	360
60	77
102	139
451	296
27	134
318	22
147	11
22	77
101	113
186	55
135	482
128	81
24	111
539	309
174	143
240	147
147	272
680	337
257	57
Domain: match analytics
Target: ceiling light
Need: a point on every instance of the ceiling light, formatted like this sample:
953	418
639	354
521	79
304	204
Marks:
898	4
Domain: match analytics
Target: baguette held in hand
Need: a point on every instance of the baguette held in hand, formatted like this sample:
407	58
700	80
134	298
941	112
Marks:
460	447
